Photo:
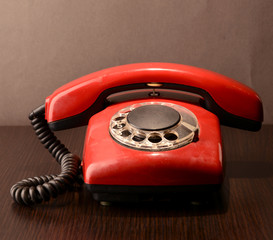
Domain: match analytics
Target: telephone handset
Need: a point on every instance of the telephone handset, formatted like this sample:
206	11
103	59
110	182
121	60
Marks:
151	145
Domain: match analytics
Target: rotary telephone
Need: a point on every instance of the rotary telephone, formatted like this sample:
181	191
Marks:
166	141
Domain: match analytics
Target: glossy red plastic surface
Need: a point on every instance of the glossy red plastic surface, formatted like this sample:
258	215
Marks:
109	163
78	95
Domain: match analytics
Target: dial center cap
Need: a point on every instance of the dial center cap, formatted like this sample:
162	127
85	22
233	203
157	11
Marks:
153	117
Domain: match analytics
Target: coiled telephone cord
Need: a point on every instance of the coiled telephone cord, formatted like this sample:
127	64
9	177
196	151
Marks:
41	189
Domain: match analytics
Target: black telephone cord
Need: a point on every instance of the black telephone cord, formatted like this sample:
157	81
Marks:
38	189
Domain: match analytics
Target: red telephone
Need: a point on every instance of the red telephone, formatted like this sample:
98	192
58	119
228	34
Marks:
135	148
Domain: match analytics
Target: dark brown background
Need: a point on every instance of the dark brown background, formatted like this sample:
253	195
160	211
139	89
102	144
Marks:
45	44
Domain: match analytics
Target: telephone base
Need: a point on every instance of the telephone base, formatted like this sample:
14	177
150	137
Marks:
139	194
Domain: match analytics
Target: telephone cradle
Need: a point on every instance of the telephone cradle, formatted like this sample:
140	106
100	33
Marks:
153	131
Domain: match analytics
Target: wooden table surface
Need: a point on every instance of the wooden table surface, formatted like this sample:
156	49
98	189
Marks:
244	210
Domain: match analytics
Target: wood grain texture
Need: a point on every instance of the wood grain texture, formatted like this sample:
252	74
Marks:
244	210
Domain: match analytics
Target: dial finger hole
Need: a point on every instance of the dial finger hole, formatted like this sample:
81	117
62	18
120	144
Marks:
155	138
139	138
170	136
119	126
125	133
119	118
